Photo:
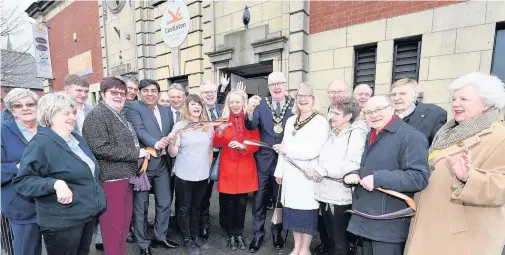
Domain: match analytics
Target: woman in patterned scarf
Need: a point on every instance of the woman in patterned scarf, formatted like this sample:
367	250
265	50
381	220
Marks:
462	211
237	168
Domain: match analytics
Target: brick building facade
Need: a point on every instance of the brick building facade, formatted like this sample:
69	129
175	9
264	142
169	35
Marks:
374	42
65	19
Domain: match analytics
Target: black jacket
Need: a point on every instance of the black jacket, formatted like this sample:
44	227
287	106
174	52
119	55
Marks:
397	159
48	158
427	119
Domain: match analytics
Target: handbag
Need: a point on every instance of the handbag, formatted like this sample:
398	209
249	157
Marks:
214	171
277	215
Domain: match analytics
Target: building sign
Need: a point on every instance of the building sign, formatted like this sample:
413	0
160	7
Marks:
175	23
42	51
80	64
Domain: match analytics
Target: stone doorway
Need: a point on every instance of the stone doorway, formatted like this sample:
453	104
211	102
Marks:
254	76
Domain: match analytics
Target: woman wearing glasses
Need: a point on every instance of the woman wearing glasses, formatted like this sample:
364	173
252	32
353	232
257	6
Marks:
16	134
340	155
305	134
114	143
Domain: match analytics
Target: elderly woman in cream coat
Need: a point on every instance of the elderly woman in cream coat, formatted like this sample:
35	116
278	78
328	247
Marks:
462	211
340	155
305	134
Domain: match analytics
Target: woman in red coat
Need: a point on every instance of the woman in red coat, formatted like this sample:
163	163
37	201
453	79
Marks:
237	168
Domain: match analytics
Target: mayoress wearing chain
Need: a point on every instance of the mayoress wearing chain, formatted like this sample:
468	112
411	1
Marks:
305	134
462	211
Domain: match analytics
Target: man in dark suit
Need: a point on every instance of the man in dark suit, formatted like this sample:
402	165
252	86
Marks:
270	117
426	118
208	92
152	123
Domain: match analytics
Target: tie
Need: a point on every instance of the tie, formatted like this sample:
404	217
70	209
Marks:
212	115
178	116
278	110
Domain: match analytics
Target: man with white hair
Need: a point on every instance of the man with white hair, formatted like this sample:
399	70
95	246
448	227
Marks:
427	118
269	115
208	92
395	158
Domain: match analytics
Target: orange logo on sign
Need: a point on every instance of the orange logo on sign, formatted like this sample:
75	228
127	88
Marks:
175	17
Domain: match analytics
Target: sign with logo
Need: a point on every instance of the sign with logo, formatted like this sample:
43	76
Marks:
80	64
175	23
42	51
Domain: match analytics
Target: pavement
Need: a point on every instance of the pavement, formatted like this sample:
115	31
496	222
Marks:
217	239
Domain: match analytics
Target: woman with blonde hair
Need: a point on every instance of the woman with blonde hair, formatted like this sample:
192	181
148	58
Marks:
194	154
462	211
237	168
304	136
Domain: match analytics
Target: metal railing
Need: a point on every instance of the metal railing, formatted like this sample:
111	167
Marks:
6	237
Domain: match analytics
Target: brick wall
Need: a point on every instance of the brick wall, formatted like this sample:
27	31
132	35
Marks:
328	15
80	17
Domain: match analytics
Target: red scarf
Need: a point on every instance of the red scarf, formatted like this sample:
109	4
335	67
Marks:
237	129
375	131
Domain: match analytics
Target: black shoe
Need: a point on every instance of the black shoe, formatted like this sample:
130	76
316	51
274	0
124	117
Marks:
165	243
320	249
191	247
240	242
146	251
204	234
231	243
255	245
278	241
99	246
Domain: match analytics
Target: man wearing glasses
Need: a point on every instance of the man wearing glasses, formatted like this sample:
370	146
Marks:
338	91
395	158
269	115
208	92
427	118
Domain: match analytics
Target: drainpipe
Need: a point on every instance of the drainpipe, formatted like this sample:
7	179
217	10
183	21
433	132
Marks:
104	10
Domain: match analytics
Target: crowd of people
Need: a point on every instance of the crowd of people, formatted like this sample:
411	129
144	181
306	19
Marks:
387	173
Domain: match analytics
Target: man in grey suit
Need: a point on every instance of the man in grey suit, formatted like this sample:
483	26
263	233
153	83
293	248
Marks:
78	89
152	123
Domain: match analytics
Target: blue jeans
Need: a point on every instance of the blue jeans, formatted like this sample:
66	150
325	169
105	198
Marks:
27	239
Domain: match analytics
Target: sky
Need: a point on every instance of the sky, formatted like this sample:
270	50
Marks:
26	30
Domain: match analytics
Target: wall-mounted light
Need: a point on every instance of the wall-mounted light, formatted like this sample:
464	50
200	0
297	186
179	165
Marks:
75	37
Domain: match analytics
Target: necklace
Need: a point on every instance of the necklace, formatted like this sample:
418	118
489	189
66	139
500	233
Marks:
299	124
278	120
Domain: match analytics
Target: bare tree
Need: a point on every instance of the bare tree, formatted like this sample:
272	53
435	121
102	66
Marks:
15	63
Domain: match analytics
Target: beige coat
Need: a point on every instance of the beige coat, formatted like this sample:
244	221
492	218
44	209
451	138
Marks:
463	219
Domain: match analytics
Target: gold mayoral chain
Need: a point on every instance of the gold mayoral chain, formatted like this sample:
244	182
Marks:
299	124
278	120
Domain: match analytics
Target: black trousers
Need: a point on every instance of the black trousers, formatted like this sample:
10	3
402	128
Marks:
205	211
75	240
266	181
234	206
190	195
371	247
335	222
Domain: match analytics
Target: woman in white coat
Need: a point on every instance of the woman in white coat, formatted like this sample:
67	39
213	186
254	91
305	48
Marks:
305	134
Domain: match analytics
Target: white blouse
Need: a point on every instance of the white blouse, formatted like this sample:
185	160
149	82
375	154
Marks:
303	148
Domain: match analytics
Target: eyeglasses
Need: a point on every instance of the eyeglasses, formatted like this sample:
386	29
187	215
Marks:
334	92
278	84
209	92
394	94
363	94
378	109
115	93
303	96
28	105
